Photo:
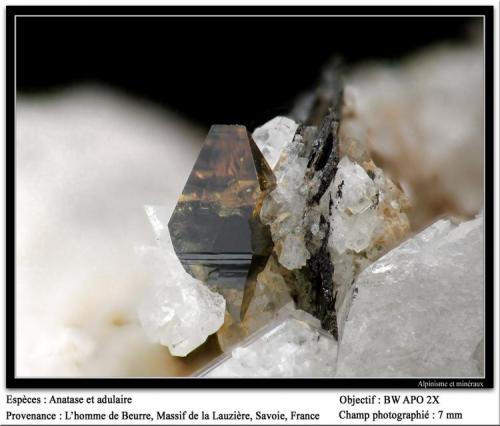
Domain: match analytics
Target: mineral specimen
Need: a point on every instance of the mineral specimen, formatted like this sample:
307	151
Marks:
298	219
418	308
215	228
294	346
273	136
367	219
294	222
178	311
283	208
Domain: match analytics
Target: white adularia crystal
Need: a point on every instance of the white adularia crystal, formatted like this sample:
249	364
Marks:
355	215
273	136
293	347
419	309
178	311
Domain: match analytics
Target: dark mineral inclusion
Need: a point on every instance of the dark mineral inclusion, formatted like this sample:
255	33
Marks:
215	227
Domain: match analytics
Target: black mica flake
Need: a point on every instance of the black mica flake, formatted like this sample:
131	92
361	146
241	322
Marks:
324	157
322	165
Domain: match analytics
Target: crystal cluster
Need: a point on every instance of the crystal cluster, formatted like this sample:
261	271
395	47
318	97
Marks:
327	242
178	310
418	309
321	227
294	346
416	314
286	227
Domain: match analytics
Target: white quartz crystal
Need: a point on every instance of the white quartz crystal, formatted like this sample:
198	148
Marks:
293	347
419	308
178	310
273	136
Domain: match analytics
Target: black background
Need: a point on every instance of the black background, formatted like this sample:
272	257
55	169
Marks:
213	70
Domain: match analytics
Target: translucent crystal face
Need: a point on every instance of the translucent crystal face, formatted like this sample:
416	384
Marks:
215	227
417	312
273	136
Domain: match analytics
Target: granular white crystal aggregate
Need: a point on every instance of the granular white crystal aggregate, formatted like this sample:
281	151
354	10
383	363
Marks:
273	136
419	308
294	347
178	311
